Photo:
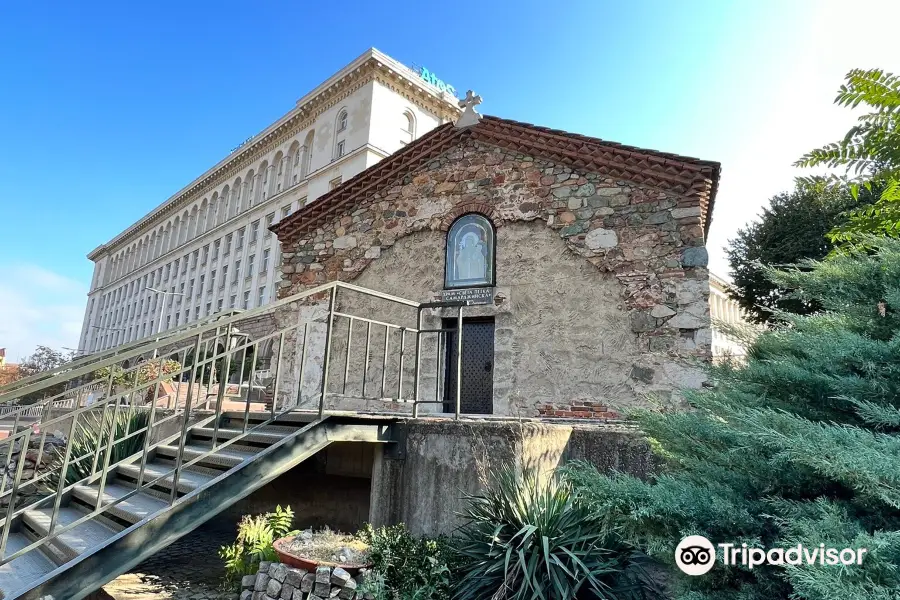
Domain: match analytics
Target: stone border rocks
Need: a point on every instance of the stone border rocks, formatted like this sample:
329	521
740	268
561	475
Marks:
277	581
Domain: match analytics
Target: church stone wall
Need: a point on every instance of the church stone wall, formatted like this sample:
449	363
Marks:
603	283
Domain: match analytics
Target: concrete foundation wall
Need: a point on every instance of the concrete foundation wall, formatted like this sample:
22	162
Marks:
445	459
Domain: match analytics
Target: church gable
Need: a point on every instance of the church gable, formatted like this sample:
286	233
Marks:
645	239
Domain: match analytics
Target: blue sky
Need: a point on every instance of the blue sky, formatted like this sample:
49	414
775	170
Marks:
107	108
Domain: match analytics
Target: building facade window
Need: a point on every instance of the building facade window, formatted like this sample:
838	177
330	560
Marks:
246	299
339	151
262	296
265	263
407	128
342	121
470	252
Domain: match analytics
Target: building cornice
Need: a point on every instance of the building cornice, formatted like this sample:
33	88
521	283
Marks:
372	65
271	202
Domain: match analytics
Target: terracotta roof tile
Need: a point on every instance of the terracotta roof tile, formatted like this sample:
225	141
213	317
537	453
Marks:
690	177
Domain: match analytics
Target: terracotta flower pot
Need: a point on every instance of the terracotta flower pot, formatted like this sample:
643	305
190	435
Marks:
294	560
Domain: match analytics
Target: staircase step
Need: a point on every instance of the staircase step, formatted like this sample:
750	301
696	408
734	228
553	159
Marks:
134	509
267	435
288	418
18	574
224	458
73	542
188	480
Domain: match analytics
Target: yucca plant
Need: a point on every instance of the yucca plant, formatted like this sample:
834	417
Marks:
256	536
525	539
93	431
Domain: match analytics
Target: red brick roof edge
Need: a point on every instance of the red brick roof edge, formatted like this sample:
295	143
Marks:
686	176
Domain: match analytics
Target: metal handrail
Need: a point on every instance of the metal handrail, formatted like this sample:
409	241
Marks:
96	356
215	349
71	373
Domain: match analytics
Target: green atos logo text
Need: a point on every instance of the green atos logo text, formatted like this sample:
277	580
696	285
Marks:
433	80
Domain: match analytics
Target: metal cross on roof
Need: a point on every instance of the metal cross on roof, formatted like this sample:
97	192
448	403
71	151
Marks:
469	115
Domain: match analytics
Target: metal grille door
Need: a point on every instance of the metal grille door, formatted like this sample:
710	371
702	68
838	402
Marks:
477	367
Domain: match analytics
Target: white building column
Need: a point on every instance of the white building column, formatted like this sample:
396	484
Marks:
285	172
270	170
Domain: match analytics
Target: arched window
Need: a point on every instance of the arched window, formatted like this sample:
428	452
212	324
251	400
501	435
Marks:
407	128
470	252
340	134
306	161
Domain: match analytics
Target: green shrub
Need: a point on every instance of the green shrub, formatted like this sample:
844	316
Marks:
407	567
256	534
93	430
524	539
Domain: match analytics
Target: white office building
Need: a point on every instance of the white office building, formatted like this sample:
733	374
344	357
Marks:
725	311
208	248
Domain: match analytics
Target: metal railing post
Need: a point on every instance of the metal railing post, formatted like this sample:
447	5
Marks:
384	361
366	357
63	472
184	424
109	450
150	419
223	385
459	349
277	383
303	354
418	363
250	387
400	365
103	418
15	488
439	373
347	357
326	360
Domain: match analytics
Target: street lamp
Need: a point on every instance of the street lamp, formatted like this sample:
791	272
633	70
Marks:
162	307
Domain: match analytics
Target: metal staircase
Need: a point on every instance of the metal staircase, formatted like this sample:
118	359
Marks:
99	483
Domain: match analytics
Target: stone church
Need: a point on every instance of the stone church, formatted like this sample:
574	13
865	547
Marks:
585	259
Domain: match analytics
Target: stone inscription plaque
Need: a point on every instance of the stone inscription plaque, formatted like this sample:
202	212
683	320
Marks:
469	295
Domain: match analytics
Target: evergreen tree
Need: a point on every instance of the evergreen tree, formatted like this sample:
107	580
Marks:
801	444
791	229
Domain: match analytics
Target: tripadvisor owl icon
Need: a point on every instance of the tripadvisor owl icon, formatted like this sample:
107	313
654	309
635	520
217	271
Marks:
695	555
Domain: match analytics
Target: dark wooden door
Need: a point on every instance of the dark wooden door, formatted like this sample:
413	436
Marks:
477	366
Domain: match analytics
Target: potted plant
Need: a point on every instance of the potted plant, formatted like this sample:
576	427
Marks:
325	548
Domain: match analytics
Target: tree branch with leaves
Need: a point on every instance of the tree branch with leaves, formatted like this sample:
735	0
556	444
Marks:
868	155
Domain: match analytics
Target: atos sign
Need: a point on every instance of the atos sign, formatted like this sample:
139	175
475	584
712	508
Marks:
433	80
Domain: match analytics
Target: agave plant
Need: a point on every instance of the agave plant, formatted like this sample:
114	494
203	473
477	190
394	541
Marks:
93	431
524	539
